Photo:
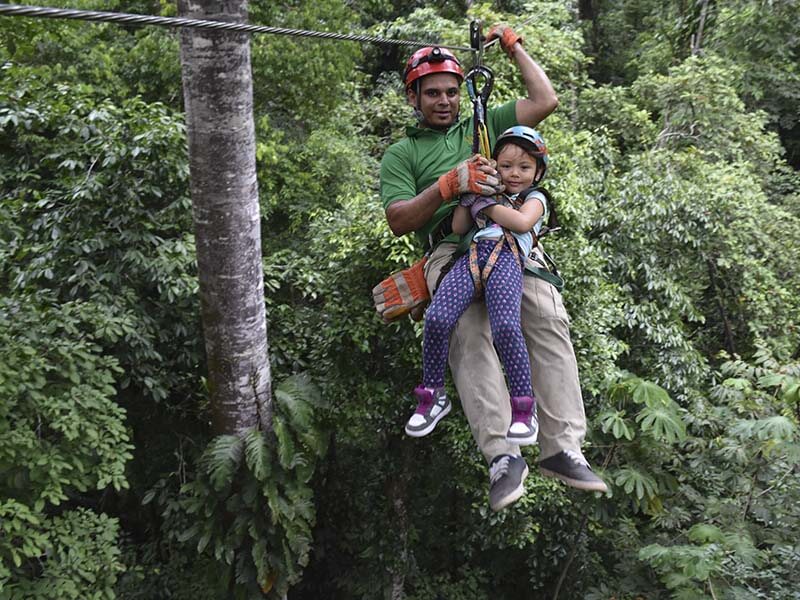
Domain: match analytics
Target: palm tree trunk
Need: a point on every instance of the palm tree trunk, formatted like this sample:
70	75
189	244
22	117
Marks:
218	97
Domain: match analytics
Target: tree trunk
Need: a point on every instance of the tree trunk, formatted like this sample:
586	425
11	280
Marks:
697	38
719	294
218	97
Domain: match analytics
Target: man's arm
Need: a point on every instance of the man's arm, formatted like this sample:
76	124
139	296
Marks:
475	175
405	216
542	99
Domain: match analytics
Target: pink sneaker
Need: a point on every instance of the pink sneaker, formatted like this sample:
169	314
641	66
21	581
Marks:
432	407
524	429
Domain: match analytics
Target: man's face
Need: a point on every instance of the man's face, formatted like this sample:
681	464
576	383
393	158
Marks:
438	100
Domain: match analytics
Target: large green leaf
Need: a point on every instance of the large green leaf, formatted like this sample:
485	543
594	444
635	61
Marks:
662	422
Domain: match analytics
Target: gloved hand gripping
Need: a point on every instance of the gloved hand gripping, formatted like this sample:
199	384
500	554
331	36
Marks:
468	177
507	36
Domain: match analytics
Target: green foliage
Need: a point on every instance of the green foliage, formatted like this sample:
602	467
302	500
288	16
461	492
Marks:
630	39
298	79
639	441
97	266
61	436
738	542
624	292
633	39
115	61
615	110
250	504
60	425
763	40
677	212
69	556
96	209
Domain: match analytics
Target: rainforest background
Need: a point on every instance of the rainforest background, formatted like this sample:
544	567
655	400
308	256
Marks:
674	161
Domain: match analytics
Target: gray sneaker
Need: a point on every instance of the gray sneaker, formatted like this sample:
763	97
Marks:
573	469
506	476
432	407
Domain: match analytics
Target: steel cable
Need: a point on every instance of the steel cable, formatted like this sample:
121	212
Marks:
18	10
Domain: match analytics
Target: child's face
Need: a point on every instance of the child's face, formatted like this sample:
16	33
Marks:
517	168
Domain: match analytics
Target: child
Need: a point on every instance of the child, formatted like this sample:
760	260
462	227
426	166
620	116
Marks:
505	236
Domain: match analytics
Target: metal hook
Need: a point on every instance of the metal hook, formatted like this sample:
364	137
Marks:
488	83
476	41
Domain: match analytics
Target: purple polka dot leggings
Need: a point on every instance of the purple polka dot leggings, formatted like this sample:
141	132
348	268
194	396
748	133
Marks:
503	297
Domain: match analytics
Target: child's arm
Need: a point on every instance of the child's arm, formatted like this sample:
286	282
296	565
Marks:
462	221
519	221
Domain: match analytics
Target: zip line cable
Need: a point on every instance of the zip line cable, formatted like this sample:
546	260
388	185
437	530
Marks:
18	10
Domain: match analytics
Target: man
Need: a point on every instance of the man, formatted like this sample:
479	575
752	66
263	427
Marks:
422	177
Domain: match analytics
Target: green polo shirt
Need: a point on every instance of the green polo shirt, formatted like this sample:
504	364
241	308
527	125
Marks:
418	160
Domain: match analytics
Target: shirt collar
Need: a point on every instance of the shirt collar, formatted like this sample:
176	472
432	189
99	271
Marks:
414	131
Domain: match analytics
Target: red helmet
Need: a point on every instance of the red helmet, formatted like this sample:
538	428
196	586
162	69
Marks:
431	60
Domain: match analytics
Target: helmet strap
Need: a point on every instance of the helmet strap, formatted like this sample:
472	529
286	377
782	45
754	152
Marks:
417	106
541	168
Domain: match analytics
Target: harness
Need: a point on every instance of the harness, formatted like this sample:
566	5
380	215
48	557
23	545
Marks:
481	277
542	266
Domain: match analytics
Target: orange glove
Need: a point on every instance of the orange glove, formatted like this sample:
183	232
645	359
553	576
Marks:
402	293
469	177
507	36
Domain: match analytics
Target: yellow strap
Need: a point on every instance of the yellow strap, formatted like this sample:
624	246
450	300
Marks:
483	140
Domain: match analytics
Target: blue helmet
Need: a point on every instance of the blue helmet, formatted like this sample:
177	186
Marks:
528	139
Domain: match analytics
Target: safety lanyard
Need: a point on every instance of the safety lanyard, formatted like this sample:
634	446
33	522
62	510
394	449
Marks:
479	95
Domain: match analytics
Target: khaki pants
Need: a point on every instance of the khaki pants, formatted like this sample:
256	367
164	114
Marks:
478	375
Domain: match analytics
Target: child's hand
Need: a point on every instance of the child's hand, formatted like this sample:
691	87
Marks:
467	200
479	205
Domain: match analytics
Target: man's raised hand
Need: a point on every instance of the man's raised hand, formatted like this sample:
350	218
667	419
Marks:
507	36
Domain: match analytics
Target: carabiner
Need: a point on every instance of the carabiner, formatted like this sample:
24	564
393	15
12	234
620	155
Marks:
472	88
480	99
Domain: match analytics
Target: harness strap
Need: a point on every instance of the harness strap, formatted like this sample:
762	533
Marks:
474	269
547	271
480	278
442	229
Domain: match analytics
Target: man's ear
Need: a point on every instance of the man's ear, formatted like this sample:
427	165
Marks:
411	97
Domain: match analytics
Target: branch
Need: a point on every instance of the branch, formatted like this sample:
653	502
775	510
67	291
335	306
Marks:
581	527
711	589
666	133
777	483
